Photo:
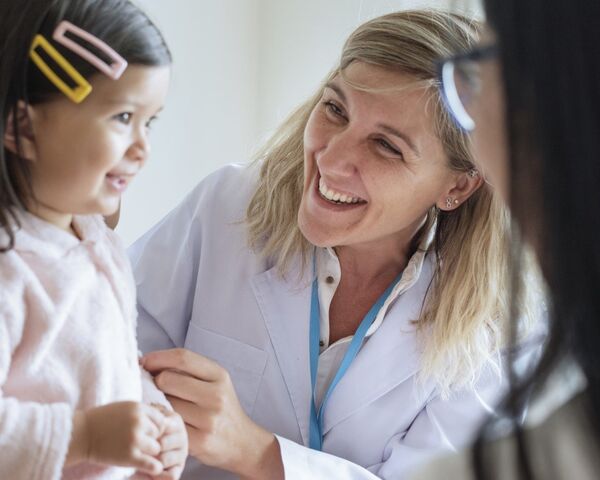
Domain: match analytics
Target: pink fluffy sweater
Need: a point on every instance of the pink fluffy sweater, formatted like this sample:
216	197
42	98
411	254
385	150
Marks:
67	342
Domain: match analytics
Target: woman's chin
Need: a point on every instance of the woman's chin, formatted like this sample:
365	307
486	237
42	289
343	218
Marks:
316	234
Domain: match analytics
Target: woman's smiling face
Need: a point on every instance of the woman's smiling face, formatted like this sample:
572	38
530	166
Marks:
373	166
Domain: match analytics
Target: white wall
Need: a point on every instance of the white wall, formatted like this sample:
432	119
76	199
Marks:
210	116
301	41
240	67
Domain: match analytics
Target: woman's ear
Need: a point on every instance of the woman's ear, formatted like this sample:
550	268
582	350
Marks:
465	184
18	135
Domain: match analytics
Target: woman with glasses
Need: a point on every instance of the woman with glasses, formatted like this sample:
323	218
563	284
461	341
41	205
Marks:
529	94
336	310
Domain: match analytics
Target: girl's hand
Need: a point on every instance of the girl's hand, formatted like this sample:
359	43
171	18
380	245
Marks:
220	433
123	434
174	445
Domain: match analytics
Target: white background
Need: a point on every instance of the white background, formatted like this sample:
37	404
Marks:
240	66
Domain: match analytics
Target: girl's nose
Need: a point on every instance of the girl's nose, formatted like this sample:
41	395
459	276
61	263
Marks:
140	148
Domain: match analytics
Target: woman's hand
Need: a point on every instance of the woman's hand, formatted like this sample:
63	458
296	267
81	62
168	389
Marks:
125	434
220	433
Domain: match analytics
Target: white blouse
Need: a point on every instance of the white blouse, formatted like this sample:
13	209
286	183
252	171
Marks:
329	274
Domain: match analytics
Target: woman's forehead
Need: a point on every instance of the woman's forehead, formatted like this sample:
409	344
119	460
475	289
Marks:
391	96
379	79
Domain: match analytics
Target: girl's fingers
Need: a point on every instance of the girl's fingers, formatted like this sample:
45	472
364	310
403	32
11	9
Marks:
173	473
173	421
172	442
147	464
172	458
157	418
149	446
151	429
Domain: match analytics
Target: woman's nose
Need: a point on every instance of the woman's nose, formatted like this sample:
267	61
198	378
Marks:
341	154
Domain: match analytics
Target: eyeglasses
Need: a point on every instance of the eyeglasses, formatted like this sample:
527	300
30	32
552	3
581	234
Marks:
460	81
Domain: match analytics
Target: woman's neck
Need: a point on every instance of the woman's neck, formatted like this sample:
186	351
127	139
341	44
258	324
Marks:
369	263
381	260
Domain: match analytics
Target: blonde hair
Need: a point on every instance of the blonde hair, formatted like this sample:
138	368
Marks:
462	322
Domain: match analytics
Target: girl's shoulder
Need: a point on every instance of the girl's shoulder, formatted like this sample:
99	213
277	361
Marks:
93	229
12	269
15	276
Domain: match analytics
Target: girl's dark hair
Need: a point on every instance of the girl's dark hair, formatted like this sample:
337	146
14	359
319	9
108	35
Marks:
550	56
119	23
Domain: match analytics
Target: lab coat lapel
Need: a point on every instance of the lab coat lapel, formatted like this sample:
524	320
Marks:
285	307
387	359
391	356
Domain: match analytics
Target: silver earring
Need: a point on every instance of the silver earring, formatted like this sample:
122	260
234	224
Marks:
448	202
473	173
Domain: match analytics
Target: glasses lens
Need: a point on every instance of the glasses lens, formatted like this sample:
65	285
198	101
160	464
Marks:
458	80
467	81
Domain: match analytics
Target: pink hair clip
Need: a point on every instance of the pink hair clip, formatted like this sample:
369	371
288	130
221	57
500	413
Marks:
114	70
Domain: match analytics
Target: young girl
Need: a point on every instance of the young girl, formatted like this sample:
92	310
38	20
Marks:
80	83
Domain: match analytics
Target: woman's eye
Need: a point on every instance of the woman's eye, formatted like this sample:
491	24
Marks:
334	109
124	118
387	146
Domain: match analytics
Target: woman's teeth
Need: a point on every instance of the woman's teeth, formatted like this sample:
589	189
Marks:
334	196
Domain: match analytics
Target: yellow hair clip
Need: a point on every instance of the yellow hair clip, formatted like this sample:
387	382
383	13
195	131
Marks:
76	94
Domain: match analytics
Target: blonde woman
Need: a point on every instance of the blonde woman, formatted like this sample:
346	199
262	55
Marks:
334	310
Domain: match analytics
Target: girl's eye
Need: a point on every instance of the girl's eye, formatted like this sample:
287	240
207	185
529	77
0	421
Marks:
150	122
387	146
334	109
124	118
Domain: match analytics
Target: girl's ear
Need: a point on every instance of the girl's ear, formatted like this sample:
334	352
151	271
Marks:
20	140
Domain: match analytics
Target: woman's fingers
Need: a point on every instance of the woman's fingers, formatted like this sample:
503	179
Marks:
184	361
191	413
181	385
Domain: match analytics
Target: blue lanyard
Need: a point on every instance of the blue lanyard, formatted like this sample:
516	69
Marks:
316	418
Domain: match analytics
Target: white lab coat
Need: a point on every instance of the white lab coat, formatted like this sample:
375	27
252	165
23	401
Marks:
200	287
